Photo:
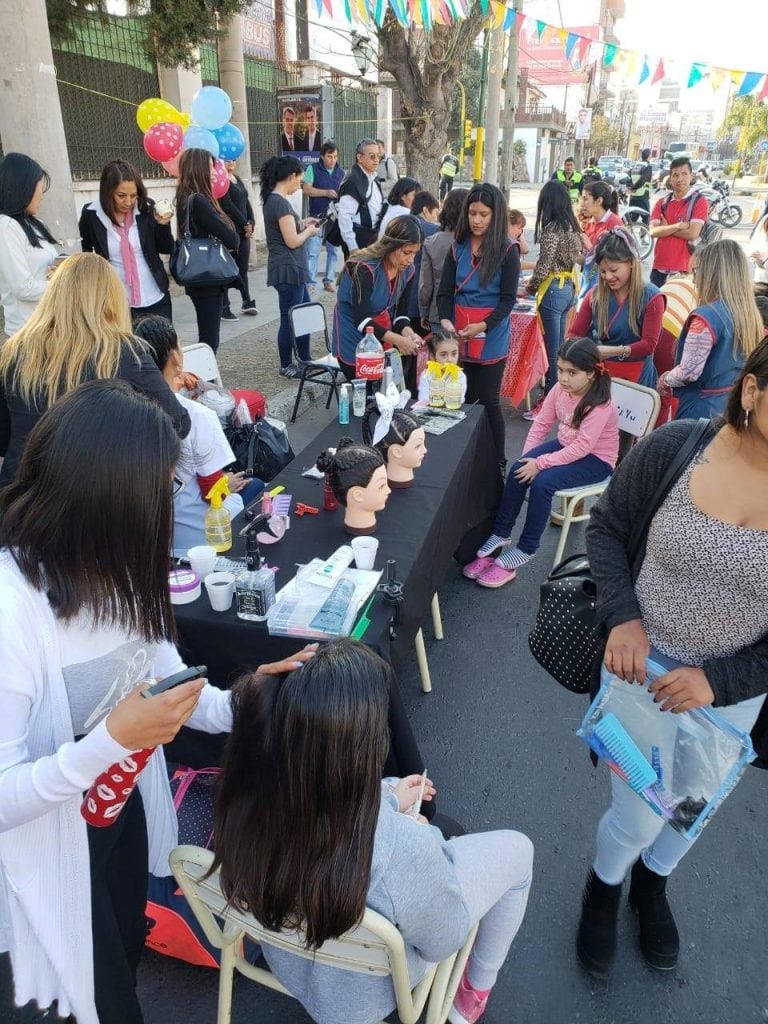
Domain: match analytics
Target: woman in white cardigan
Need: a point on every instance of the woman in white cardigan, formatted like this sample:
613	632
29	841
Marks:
85	621
27	249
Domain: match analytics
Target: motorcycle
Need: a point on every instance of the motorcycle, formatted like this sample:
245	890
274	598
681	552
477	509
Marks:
635	217
721	209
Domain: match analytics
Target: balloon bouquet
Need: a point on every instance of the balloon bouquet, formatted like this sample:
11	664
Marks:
167	132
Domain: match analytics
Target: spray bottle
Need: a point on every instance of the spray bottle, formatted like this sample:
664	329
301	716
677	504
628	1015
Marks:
255	585
218	521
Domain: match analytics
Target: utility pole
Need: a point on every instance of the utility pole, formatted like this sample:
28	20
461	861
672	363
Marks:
480	131
493	105
507	175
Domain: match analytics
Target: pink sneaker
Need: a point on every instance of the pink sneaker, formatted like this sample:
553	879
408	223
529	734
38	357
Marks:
531	414
469	1005
475	568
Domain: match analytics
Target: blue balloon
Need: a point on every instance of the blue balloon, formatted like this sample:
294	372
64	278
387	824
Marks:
211	107
196	137
230	140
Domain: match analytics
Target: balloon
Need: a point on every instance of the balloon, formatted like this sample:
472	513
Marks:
163	141
211	107
153	111
196	137
230	140
185	120
172	165
220	185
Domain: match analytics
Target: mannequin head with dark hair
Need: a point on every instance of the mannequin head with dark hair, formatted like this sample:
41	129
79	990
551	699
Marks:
358	479
402	446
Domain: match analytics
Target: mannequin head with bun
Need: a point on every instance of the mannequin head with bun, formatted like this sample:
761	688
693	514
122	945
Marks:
358	478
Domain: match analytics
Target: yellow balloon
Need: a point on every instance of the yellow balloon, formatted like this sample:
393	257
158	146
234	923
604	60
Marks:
154	111
185	120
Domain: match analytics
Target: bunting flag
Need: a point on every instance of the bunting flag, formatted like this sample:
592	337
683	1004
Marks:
716	78
659	73
499	14
540	26
519	21
379	11
582	51
735	77
749	83
509	19
630	64
645	72
696	75
319	5
764	91
609	54
570	43
484	6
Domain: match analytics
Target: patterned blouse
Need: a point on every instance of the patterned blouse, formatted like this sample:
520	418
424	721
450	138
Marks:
558	251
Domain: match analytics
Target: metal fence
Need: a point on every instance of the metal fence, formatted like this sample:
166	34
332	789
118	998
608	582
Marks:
354	112
209	64
103	74
262	79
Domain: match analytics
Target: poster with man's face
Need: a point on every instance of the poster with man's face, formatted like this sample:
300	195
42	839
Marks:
300	123
583	123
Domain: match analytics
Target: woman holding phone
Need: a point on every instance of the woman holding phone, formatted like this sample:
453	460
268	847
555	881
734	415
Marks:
85	623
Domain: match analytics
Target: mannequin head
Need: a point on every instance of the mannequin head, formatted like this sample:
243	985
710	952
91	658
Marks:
403	446
358	479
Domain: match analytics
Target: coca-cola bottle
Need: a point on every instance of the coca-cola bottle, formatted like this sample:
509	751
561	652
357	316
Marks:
369	360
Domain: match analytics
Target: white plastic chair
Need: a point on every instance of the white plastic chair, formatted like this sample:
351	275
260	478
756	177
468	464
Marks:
309	318
200	359
638	411
375	946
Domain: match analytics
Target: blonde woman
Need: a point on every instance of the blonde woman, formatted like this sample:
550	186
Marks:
81	330
719	334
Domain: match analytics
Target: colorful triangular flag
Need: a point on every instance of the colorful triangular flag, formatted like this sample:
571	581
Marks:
716	78
764	91
696	74
509	19
735	76
749	83
540	26
659	73
569	44
582	50
609	54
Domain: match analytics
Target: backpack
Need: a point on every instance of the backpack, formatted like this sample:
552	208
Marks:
331	229
261	449
710	232
382	173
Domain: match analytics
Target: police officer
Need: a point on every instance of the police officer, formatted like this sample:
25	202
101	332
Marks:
640	177
571	178
591	172
449	166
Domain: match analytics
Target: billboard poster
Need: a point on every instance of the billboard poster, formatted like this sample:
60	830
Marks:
545	58
583	123
259	30
300	129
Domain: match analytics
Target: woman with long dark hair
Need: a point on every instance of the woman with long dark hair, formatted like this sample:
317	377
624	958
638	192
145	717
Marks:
86	626
124	227
477	291
399	201
622	313
27	248
196	205
374	291
599	202
553	280
697	605
308	835
287	257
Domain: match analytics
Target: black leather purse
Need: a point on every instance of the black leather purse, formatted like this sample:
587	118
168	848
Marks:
201	261
566	638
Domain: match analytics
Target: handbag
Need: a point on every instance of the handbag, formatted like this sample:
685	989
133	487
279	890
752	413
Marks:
566	639
261	449
201	261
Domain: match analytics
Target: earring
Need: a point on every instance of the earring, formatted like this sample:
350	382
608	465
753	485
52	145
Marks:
746	419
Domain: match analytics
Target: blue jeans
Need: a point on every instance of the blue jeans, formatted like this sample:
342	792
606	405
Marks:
553	311
290	295
252	490
589	470
314	245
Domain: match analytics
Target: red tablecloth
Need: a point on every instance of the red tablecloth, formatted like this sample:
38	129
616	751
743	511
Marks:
527	359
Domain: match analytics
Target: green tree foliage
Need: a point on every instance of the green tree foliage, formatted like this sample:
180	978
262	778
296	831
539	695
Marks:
175	27
604	136
749	118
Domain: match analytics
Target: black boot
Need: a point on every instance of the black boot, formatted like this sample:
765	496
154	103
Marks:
596	941
659	940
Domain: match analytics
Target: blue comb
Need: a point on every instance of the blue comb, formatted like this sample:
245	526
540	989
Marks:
625	753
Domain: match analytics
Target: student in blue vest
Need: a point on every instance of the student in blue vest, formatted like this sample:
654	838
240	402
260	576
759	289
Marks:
374	289
321	184
477	290
621	313
719	334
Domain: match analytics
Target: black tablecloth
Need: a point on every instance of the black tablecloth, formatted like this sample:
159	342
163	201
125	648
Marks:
457	489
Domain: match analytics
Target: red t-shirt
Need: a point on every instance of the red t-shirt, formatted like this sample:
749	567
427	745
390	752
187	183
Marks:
671	253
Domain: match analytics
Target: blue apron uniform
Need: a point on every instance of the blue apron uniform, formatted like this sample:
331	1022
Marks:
473	302
707	396
383	309
620	333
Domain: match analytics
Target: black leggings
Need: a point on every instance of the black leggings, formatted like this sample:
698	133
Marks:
208	307
483	386
243	257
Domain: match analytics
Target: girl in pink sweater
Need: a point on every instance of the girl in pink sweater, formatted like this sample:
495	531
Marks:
584	452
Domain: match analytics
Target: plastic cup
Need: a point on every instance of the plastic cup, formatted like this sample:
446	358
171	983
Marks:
358	397
220	586
202	560
364	550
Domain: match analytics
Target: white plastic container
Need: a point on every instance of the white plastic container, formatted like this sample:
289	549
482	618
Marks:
185	586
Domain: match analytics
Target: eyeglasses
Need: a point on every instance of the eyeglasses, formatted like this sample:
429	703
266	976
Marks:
178	486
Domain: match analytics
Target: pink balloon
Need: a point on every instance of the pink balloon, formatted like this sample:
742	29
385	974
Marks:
163	141
172	165
220	179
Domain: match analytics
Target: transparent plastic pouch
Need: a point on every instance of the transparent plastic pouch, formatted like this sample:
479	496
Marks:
681	765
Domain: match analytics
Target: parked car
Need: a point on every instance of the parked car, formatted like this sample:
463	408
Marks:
611	166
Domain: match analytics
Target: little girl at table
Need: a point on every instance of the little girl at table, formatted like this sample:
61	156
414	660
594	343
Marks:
443	349
583	453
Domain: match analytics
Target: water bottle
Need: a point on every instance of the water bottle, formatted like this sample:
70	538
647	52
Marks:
344	404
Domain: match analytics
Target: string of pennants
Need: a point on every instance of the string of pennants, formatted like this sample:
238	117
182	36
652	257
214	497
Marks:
631	64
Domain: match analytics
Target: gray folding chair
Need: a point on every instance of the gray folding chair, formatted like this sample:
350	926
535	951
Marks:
309	318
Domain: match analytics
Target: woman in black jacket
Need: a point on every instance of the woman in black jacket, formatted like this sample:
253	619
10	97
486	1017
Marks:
124	227
697	606
237	206
196	205
81	330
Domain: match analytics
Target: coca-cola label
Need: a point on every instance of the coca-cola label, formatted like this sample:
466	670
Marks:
370	366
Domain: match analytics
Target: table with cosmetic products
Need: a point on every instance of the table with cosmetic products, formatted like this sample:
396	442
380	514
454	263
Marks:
447	511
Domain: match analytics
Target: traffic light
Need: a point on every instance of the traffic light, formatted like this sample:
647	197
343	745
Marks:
467	134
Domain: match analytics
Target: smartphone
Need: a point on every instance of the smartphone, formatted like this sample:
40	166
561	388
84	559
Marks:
164	208
185	676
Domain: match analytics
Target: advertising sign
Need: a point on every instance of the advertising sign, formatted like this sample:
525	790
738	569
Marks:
259	30
545	58
300	117
583	123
